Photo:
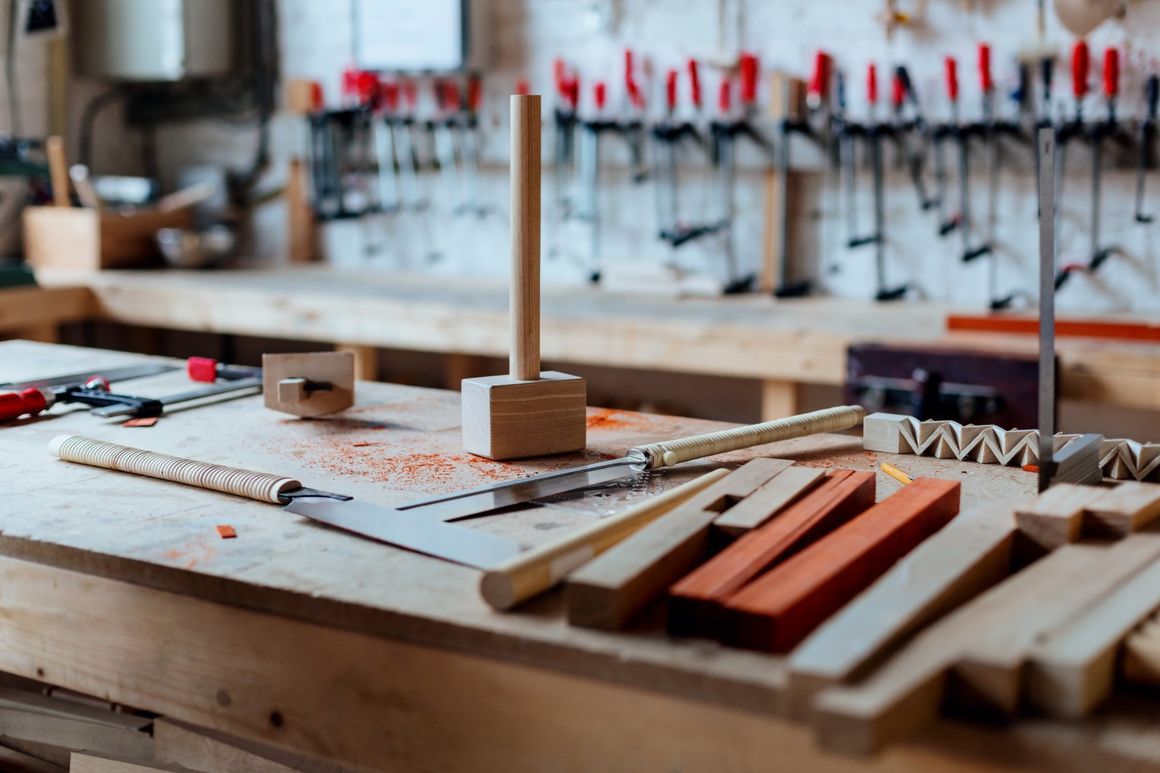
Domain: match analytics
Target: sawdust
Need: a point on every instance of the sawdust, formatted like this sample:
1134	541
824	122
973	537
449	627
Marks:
607	418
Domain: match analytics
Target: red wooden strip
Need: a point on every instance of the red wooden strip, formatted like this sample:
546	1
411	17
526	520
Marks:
777	610
1064	328
695	601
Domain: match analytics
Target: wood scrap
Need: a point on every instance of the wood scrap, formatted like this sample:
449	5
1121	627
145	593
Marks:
93	762
1055	517
16	761
1072	669
1141	664
72	733
1127	508
779	609
695	602
612	588
178	743
968	556
769	500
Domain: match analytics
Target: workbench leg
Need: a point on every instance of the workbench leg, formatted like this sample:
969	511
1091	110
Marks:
366	360
778	399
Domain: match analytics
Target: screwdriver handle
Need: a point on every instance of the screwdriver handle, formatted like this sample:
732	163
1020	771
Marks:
694	84
1111	72
819	80
986	83
29	402
951	74
747	67
259	486
1080	64
671	90
872	84
668	453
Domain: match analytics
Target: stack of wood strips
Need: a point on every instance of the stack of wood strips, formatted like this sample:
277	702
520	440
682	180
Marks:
1119	459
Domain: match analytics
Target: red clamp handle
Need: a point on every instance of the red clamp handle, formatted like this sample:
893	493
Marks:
474	93
694	84
1080	64
635	97
820	79
747	67
599	94
410	94
1111	72
725	97
317	97
671	90
985	80
897	91
872	84
203	369
390	92
13	405
951	73
451	96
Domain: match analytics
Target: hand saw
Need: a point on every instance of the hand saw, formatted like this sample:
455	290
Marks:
421	526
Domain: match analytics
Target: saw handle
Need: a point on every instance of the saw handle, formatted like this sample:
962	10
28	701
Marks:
668	453
259	486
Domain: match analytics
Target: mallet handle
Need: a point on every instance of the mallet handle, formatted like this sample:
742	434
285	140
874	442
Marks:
525	228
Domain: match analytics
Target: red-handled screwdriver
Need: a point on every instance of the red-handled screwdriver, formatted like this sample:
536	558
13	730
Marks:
819	87
694	84
747	68
1080	64
671	92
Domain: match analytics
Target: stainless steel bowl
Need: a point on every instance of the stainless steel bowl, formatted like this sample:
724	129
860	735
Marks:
196	249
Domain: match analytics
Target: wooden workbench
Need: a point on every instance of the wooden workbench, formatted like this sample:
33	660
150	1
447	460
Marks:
339	647
782	344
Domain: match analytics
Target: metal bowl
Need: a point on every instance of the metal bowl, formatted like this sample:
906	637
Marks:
196	249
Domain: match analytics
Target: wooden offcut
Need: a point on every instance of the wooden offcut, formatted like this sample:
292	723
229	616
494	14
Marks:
1142	654
1055	517
962	560
779	609
695	602
526	412
1128	507
610	590
91	762
178	743
769	500
309	383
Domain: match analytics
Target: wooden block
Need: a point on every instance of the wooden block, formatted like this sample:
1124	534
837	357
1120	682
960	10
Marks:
297	370
884	432
1126	508
991	666
768	500
695	602
612	588
93	762
506	418
73	732
962	560
778	610
1072	669
1055	517
1142	655
177	743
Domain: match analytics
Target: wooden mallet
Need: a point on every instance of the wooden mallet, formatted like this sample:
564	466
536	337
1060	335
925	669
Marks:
527	412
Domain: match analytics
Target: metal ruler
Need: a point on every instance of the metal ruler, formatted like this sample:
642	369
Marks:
1045	148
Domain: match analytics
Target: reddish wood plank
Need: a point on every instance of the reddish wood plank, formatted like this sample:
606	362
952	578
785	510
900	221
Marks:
695	602
777	610
1066	328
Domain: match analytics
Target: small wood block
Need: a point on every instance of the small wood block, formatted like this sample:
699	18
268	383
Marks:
612	588
225	531
1127	508
1073	668
779	609
1142	655
505	418
178	743
961	561
991	667
768	500
91	762
695	602
1056	516
333	368
884	432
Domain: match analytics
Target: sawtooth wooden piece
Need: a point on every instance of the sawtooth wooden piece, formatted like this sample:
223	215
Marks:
1073	668
1056	516
695	601
769	500
526	412
992	664
779	609
178	743
968	556
92	762
614	587
1141	662
541	568
1128	507
309	383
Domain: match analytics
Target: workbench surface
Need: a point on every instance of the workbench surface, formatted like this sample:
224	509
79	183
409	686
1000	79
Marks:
797	341
396	444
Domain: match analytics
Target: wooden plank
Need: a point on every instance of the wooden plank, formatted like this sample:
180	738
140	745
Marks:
695	603
301	228
16	761
1072	669
779	398
31	307
72	733
366	361
969	555
70	709
1128	507
779	609
611	589
178	743
90	762
768	500
1142	655
1121	330
991	666
1055	517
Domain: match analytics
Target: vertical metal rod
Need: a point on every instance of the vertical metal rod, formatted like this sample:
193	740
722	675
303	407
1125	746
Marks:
879	213
1046	150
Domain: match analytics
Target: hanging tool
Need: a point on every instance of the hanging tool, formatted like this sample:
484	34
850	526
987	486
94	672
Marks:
670	134
1147	128
1046	78
468	128
915	157
947	131
848	134
1066	132
389	191
440	126
590	172
564	149
987	89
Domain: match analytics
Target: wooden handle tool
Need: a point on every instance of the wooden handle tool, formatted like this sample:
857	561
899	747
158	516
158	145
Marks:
525	230
259	486
57	170
540	568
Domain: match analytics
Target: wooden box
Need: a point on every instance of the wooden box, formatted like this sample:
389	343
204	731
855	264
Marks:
84	239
